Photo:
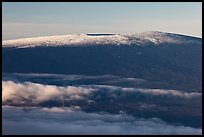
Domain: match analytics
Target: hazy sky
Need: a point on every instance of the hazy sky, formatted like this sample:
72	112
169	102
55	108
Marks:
31	19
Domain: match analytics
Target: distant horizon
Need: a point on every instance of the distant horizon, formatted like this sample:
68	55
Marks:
34	19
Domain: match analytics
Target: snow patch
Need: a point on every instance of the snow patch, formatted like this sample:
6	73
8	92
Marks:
139	39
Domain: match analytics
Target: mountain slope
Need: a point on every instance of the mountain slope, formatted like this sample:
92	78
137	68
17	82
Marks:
171	61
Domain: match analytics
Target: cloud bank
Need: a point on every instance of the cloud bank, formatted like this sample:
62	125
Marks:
96	109
34	93
18	120
155	92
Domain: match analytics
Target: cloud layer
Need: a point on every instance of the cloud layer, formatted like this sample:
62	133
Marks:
34	94
18	120
155	92
67	78
173	106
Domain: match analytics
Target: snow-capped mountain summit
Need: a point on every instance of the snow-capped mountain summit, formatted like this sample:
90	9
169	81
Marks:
163	60
144	38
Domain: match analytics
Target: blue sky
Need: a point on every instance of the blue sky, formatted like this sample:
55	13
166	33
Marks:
21	20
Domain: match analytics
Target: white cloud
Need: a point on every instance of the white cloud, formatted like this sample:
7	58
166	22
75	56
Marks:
165	92
33	94
60	109
38	121
38	93
155	92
